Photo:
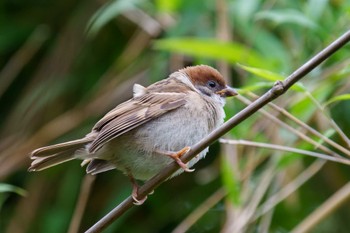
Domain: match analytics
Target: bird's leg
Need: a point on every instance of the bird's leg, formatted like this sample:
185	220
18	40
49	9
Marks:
177	157
135	191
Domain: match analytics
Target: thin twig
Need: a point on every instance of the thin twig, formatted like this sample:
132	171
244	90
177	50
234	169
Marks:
22	57
198	213
287	148
329	118
85	190
292	129
307	127
267	206
247	213
278	89
289	188
224	33
328	207
266	219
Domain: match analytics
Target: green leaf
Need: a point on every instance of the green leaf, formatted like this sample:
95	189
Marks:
271	76
211	48
328	134
231	182
283	16
167	5
263	73
12	188
244	10
337	98
254	87
315	8
106	13
287	159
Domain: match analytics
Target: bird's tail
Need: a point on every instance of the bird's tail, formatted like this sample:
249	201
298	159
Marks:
49	156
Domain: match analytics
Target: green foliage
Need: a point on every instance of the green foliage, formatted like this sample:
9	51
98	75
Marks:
231	182
214	49
7	188
107	13
337	98
285	16
10	188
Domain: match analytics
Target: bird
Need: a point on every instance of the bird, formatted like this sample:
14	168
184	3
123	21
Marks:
144	134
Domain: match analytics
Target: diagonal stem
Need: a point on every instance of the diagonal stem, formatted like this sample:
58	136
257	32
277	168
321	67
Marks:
293	130
287	149
307	127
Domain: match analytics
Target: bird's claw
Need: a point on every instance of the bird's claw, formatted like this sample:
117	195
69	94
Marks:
134	196
176	156
137	201
183	165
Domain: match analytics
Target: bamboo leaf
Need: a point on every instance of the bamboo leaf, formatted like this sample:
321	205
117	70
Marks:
270	76
11	188
283	16
337	98
106	13
211	48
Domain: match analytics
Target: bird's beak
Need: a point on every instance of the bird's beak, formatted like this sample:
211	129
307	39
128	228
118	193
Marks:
227	92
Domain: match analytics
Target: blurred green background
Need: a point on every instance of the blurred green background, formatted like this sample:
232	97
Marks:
64	64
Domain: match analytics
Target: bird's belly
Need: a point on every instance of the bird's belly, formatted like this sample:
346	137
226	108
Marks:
143	158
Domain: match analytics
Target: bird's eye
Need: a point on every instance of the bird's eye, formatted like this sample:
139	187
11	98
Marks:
211	84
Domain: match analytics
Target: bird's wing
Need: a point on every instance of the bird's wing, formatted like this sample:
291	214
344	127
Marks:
134	113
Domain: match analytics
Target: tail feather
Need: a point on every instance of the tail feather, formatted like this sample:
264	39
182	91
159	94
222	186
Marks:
57	148
45	162
98	166
49	156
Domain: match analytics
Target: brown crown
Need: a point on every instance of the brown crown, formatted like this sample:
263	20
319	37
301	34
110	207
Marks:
201	74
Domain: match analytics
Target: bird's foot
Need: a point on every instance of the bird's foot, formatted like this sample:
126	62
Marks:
134	195
135	192
177	157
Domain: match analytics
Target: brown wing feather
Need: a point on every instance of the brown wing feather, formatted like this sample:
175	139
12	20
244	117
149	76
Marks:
123	108
134	113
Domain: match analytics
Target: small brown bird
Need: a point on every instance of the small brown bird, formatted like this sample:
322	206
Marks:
146	133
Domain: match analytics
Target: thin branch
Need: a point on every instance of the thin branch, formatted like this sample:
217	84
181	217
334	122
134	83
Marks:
339	130
278	89
292	129
247	213
85	190
327	208
307	127
289	188
266	207
199	212
22	57
329	118
288	149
